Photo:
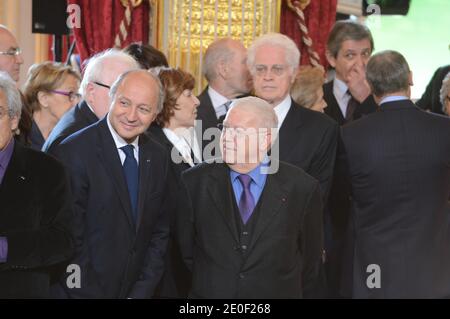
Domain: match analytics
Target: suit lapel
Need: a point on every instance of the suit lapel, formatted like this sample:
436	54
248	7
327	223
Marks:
220	194
288	135
145	158
109	156
333	110
15	180
274	194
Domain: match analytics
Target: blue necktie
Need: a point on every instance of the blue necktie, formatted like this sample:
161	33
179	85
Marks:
246	202
130	168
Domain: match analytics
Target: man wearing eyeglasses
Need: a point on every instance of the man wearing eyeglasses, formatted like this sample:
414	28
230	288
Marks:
247	231
307	139
10	54
101	72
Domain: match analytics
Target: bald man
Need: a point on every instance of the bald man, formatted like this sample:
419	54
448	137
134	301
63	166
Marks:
10	54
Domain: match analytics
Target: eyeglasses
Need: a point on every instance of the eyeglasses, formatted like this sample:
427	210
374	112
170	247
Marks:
276	69
102	85
73	96
12	52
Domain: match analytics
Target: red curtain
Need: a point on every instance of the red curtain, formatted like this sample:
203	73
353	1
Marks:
320	16
100	22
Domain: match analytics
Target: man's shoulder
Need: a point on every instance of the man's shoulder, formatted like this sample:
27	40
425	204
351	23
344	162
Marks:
38	162
294	173
313	118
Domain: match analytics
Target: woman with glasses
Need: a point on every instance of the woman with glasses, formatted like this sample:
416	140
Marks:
50	91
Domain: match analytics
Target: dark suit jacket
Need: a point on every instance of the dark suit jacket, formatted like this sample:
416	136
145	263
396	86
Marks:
74	120
36	218
284	256
176	279
398	163
206	112
430	99
117	258
308	139
333	110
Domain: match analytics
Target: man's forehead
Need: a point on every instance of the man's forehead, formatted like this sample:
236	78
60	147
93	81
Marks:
7	39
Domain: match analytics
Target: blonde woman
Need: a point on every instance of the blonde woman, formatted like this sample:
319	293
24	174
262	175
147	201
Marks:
50	91
307	89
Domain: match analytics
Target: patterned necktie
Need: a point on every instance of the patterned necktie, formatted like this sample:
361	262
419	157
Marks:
351	107
130	168
246	202
224	108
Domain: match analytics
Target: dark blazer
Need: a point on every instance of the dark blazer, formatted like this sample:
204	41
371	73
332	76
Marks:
430	99
77	118
398	163
176	280
333	110
308	139
36	218
206	112
284	256
117	258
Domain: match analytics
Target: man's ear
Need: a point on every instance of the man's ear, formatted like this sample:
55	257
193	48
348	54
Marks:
89	93
14	123
222	69
330	58
42	98
410	78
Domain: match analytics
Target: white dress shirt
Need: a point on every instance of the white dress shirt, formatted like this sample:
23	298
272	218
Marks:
218	101
282	109
340	91
120	142
182	140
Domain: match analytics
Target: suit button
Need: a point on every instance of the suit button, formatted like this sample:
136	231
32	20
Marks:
245	233
244	247
241	276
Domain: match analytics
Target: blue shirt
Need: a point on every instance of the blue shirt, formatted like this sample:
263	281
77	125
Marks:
256	185
393	98
5	157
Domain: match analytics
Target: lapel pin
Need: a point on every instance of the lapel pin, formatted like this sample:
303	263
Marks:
22	178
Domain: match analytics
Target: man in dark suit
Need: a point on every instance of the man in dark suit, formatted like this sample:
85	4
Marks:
119	180
398	162
247	230
307	139
226	71
348	96
101	71
35	214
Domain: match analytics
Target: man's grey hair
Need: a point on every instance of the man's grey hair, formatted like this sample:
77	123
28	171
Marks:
8	86
95	65
347	30
388	72
445	90
260	108
122	77
291	50
217	52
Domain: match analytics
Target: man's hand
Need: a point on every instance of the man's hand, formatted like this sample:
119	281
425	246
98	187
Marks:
357	83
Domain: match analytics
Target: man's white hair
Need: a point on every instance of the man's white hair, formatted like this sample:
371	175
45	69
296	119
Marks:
95	66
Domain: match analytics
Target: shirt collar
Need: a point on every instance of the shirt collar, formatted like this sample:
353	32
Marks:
256	175
6	154
282	109
180	143
393	99
118	140
217	99
339	88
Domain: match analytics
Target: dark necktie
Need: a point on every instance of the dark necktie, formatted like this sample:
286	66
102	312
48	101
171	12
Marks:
227	107
246	202
130	168
351	107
